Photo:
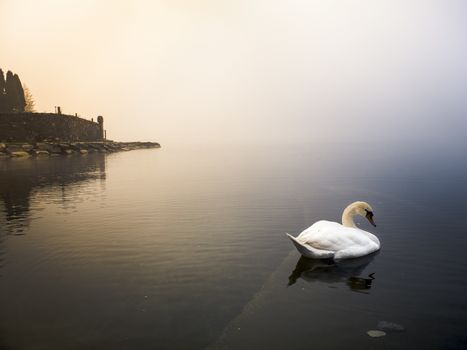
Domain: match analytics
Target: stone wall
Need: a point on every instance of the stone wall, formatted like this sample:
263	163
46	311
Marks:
34	127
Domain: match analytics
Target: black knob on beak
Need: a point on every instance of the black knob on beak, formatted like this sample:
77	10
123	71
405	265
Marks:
369	217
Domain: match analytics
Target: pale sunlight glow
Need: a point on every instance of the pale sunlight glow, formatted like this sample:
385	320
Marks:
178	71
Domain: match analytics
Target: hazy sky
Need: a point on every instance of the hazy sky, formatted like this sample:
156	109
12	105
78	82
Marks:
179	71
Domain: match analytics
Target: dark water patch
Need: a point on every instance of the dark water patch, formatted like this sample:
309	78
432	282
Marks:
175	249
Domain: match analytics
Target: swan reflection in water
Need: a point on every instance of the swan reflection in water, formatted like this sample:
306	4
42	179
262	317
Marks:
346	271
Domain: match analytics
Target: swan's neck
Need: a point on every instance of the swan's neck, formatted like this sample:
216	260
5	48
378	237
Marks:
347	216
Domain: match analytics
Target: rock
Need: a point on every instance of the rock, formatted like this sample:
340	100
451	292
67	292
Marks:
19	154
27	147
14	148
55	149
43	146
390	326
74	146
93	147
38	152
375	333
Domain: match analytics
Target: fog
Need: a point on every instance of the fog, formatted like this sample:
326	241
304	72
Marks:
212	71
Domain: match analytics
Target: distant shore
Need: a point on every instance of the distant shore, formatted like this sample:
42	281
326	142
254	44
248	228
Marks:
13	150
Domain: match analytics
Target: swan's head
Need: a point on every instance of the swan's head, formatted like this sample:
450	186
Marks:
357	208
364	209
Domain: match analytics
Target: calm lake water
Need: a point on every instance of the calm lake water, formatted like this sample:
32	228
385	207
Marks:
186	249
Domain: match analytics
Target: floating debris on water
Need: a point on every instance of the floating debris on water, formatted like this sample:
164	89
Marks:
390	326
375	333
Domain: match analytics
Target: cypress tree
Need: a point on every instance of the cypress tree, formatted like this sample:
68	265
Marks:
20	93
11	93
2	82
3	104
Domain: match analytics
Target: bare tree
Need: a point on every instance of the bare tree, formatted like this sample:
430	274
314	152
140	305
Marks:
30	103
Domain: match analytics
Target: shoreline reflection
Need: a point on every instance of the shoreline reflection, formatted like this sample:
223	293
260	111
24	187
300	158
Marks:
21	178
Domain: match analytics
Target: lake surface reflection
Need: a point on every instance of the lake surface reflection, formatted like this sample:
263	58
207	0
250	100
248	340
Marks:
186	249
66	177
331	272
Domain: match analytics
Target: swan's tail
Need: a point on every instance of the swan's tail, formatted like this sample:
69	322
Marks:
308	251
300	247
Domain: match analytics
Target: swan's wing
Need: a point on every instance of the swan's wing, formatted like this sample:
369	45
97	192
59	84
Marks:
331	236
309	251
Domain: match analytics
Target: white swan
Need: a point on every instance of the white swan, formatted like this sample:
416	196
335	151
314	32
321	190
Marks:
326	239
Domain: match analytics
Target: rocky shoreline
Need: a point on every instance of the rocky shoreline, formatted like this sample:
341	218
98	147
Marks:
13	150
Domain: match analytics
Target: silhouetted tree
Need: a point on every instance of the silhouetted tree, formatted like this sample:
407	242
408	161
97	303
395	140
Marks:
30	103
20	93
3	102
2	82
11	93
